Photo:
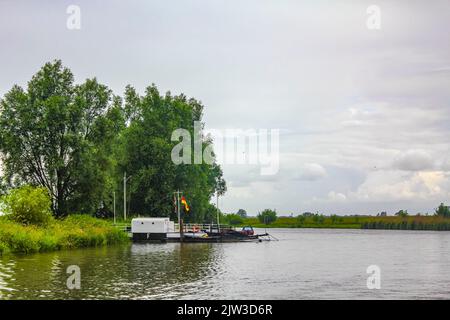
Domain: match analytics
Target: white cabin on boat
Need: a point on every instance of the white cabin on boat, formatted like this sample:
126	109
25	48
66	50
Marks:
151	228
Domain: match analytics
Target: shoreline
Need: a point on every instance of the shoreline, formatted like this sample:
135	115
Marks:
414	223
73	232
84	231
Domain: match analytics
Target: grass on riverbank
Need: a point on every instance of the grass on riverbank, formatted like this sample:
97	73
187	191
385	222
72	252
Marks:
75	231
357	222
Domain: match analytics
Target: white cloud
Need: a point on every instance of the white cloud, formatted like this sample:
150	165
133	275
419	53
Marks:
336	196
395	185
311	172
414	160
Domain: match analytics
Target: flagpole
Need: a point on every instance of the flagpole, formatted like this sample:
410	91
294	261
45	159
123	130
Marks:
124	196
114	196
180	221
178	207
218	216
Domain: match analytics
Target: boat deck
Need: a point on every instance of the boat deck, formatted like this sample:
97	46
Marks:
195	233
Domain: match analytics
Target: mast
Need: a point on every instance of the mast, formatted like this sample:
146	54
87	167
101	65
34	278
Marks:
180	221
125	179
114	197
124	196
218	215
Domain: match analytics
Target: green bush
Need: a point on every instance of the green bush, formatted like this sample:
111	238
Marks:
3	248
234	219
242	213
73	232
48	242
443	211
28	206
301	219
318	218
23	242
267	216
334	219
402	213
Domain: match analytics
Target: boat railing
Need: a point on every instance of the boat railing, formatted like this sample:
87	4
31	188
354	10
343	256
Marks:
187	227
191	227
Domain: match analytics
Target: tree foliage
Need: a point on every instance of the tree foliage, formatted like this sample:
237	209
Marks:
318	218
443	211
267	216
58	135
402	213
234	219
77	140
301	219
146	155
28	205
242	213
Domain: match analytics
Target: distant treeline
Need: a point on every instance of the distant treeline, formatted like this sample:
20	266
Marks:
408	223
356	222
400	221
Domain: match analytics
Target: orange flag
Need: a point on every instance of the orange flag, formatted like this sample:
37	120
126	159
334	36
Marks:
184	202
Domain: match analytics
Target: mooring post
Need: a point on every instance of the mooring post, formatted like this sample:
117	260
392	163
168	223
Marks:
218	213
181	231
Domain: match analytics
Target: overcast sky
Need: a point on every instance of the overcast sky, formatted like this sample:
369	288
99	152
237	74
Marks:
363	114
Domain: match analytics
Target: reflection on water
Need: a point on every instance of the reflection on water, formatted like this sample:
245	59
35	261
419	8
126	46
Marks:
136	271
303	264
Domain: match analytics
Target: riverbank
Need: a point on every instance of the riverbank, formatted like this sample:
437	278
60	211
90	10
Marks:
357	222
75	231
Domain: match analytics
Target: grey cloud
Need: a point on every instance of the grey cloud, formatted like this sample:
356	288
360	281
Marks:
311	172
414	160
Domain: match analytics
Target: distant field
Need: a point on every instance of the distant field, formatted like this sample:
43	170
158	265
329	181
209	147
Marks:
353	222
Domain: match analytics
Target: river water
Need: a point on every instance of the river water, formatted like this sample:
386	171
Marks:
303	264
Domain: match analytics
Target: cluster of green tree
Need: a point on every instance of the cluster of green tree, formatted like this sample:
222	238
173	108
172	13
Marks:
234	218
314	217
267	216
407	225
402	213
443	211
319	221
242	213
401	220
77	140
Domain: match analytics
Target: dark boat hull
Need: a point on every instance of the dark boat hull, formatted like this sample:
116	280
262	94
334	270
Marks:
220	238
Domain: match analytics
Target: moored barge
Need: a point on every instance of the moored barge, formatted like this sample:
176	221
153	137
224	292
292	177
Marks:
164	230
